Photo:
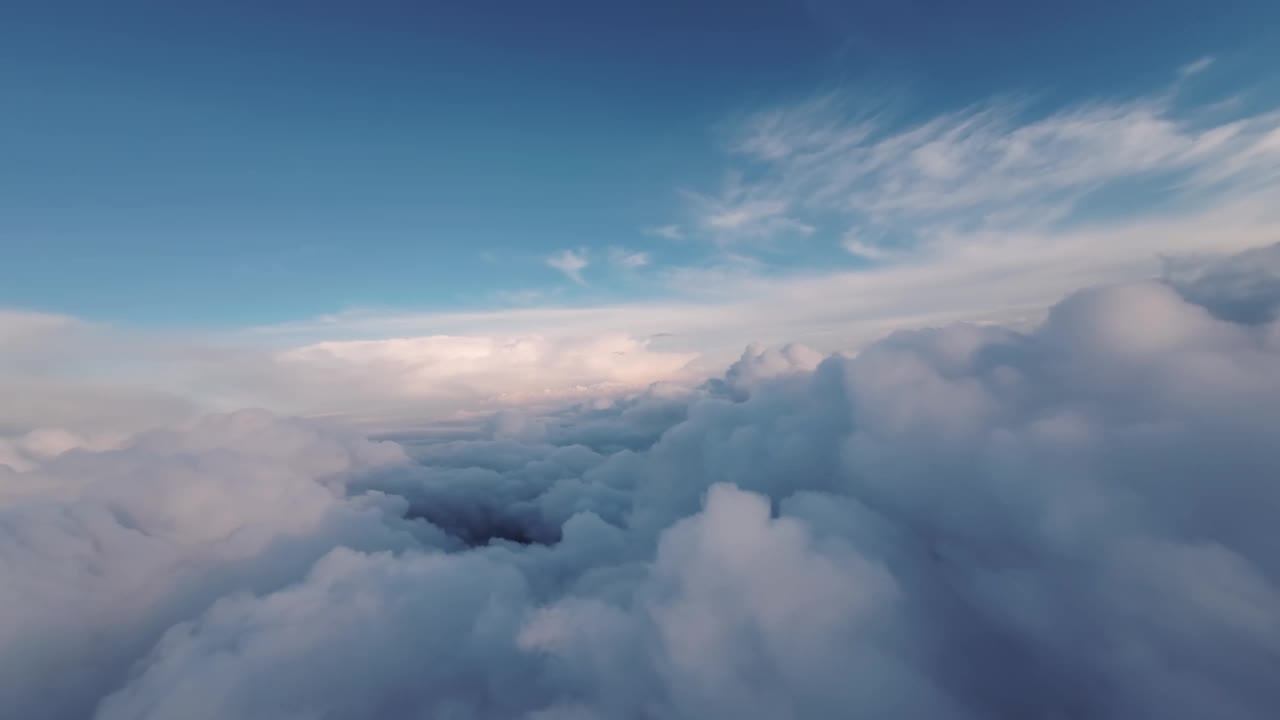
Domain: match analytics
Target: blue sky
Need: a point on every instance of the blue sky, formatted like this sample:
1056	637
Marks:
239	163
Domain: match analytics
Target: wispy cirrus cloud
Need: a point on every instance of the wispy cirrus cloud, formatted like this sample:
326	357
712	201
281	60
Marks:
740	213
527	296
857	247
821	165
670	232
625	258
571	263
1196	67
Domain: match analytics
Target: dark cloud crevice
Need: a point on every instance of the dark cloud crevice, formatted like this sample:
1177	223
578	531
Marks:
478	529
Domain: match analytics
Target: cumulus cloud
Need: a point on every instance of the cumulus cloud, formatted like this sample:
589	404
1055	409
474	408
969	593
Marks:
25	451
1243	288
103	550
1074	519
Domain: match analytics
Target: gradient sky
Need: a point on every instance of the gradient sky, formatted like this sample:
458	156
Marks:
244	163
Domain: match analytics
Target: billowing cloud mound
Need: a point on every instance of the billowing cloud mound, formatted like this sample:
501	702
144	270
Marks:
967	522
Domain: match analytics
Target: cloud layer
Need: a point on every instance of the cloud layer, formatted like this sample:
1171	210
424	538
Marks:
997	165
837	221
1075	520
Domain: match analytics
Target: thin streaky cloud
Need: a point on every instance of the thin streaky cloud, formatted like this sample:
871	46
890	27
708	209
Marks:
857	247
670	232
968	166
571	263
1198	66
624	258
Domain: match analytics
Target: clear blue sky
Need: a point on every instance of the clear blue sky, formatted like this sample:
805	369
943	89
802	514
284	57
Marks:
236	163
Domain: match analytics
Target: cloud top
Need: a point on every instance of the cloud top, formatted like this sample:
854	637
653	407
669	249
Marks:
1070	520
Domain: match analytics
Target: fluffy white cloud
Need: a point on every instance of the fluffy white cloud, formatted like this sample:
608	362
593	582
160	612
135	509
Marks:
102	550
1070	520
26	451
